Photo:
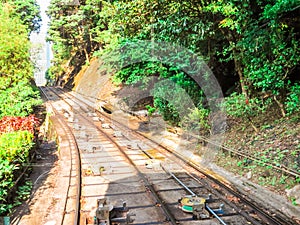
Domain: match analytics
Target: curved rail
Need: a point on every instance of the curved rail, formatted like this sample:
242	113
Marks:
282	168
77	164
265	216
168	214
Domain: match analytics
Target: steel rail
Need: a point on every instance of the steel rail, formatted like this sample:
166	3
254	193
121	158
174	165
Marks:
194	194
282	168
244	214
77	163
147	184
215	215
180	182
271	220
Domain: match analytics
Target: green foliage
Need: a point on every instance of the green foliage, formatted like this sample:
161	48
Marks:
14	150
150	109
28	11
294	201
168	111
278	8
76	32
21	101
237	105
15	146
174	91
262	44
196	120
293	99
263	47
140	71
259	38
17	97
14	50
50	76
23	192
173	99
271	60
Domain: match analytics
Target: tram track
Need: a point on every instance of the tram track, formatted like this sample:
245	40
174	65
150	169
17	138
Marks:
71	208
147	185
121	143
265	214
239	153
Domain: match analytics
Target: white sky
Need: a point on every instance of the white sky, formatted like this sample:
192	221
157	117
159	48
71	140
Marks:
39	45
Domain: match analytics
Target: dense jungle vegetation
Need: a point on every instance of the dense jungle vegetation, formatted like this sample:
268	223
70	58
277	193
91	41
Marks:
252	48
18	98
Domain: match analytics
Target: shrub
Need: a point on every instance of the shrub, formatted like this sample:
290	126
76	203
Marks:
196	120
237	105
292	102
14	123
14	151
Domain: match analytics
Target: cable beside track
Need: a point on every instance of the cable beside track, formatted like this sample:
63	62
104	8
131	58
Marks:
106	151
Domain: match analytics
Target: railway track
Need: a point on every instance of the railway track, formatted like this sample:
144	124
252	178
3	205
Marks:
118	166
70	159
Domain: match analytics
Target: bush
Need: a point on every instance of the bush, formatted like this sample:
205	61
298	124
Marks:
196	120
14	151
238	106
15	146
18	100
292	102
15	123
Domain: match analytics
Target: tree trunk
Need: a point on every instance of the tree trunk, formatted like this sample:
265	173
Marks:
281	106
86	56
253	126
238	69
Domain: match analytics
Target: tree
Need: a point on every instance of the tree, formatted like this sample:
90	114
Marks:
15	62
251	46
27	10
75	33
17	97
262	47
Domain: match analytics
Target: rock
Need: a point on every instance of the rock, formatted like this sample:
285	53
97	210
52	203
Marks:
118	133
50	223
294	192
248	175
105	126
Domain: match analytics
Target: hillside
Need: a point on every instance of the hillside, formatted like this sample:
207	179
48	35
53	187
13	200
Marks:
193	63
276	142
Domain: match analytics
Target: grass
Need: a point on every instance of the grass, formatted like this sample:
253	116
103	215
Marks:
278	142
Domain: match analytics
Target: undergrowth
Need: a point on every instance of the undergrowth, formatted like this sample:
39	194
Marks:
277	143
